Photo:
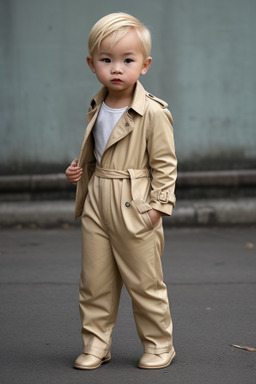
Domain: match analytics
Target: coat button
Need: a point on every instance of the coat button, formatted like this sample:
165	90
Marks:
127	204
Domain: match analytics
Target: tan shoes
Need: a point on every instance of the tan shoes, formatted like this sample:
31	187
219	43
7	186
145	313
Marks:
147	361
150	361
86	361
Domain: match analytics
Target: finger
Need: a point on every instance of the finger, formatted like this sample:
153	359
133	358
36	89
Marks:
74	162
76	169
73	171
75	180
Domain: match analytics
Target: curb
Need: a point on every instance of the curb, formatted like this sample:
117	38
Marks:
218	212
58	181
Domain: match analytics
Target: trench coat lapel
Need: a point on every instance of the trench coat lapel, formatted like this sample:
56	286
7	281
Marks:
91	118
126	125
83	154
123	127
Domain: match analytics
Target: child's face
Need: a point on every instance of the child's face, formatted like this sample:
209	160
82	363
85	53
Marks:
119	67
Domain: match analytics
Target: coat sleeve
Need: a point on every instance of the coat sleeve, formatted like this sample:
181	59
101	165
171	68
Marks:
163	161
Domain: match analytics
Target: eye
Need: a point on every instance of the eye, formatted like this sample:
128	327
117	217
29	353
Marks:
128	61
106	60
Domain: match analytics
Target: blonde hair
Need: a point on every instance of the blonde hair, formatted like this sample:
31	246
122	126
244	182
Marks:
118	24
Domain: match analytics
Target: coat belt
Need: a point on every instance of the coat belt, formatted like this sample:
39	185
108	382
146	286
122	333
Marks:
118	174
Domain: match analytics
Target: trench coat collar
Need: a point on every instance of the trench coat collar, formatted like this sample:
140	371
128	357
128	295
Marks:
138	101
137	104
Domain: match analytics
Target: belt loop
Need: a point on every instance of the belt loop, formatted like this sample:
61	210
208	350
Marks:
132	177
131	173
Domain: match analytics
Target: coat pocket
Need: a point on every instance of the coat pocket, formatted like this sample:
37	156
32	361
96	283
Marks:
134	210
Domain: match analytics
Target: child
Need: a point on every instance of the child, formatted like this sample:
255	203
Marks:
125	176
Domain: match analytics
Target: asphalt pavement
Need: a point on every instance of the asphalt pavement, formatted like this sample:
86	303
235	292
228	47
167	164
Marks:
211	277
192	212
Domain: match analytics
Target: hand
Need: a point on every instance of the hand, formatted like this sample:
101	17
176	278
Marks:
73	172
154	216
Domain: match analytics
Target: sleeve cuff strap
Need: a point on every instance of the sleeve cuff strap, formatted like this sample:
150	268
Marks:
164	208
163	197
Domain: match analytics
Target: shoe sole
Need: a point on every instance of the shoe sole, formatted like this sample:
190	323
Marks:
159	366
104	360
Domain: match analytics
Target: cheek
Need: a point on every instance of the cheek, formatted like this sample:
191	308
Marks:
136	72
101	73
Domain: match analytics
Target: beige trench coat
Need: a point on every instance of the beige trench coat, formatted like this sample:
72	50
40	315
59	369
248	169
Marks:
141	140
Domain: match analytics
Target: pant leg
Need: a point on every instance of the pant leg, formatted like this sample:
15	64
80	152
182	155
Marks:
137	248
100	281
141	271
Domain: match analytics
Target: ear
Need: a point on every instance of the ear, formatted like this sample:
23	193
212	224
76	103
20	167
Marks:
146	65
90	63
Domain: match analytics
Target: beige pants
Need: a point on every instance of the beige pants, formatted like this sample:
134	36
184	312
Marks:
120	245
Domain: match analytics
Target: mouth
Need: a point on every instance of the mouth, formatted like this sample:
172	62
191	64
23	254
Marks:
116	81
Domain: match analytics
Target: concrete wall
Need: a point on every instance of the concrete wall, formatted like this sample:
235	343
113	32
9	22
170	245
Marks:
204	60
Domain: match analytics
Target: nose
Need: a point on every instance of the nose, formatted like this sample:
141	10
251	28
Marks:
116	69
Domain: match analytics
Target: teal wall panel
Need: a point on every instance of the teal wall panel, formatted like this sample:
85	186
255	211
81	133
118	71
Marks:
204	60
213	56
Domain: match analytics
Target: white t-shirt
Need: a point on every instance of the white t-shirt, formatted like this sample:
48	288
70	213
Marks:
106	120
